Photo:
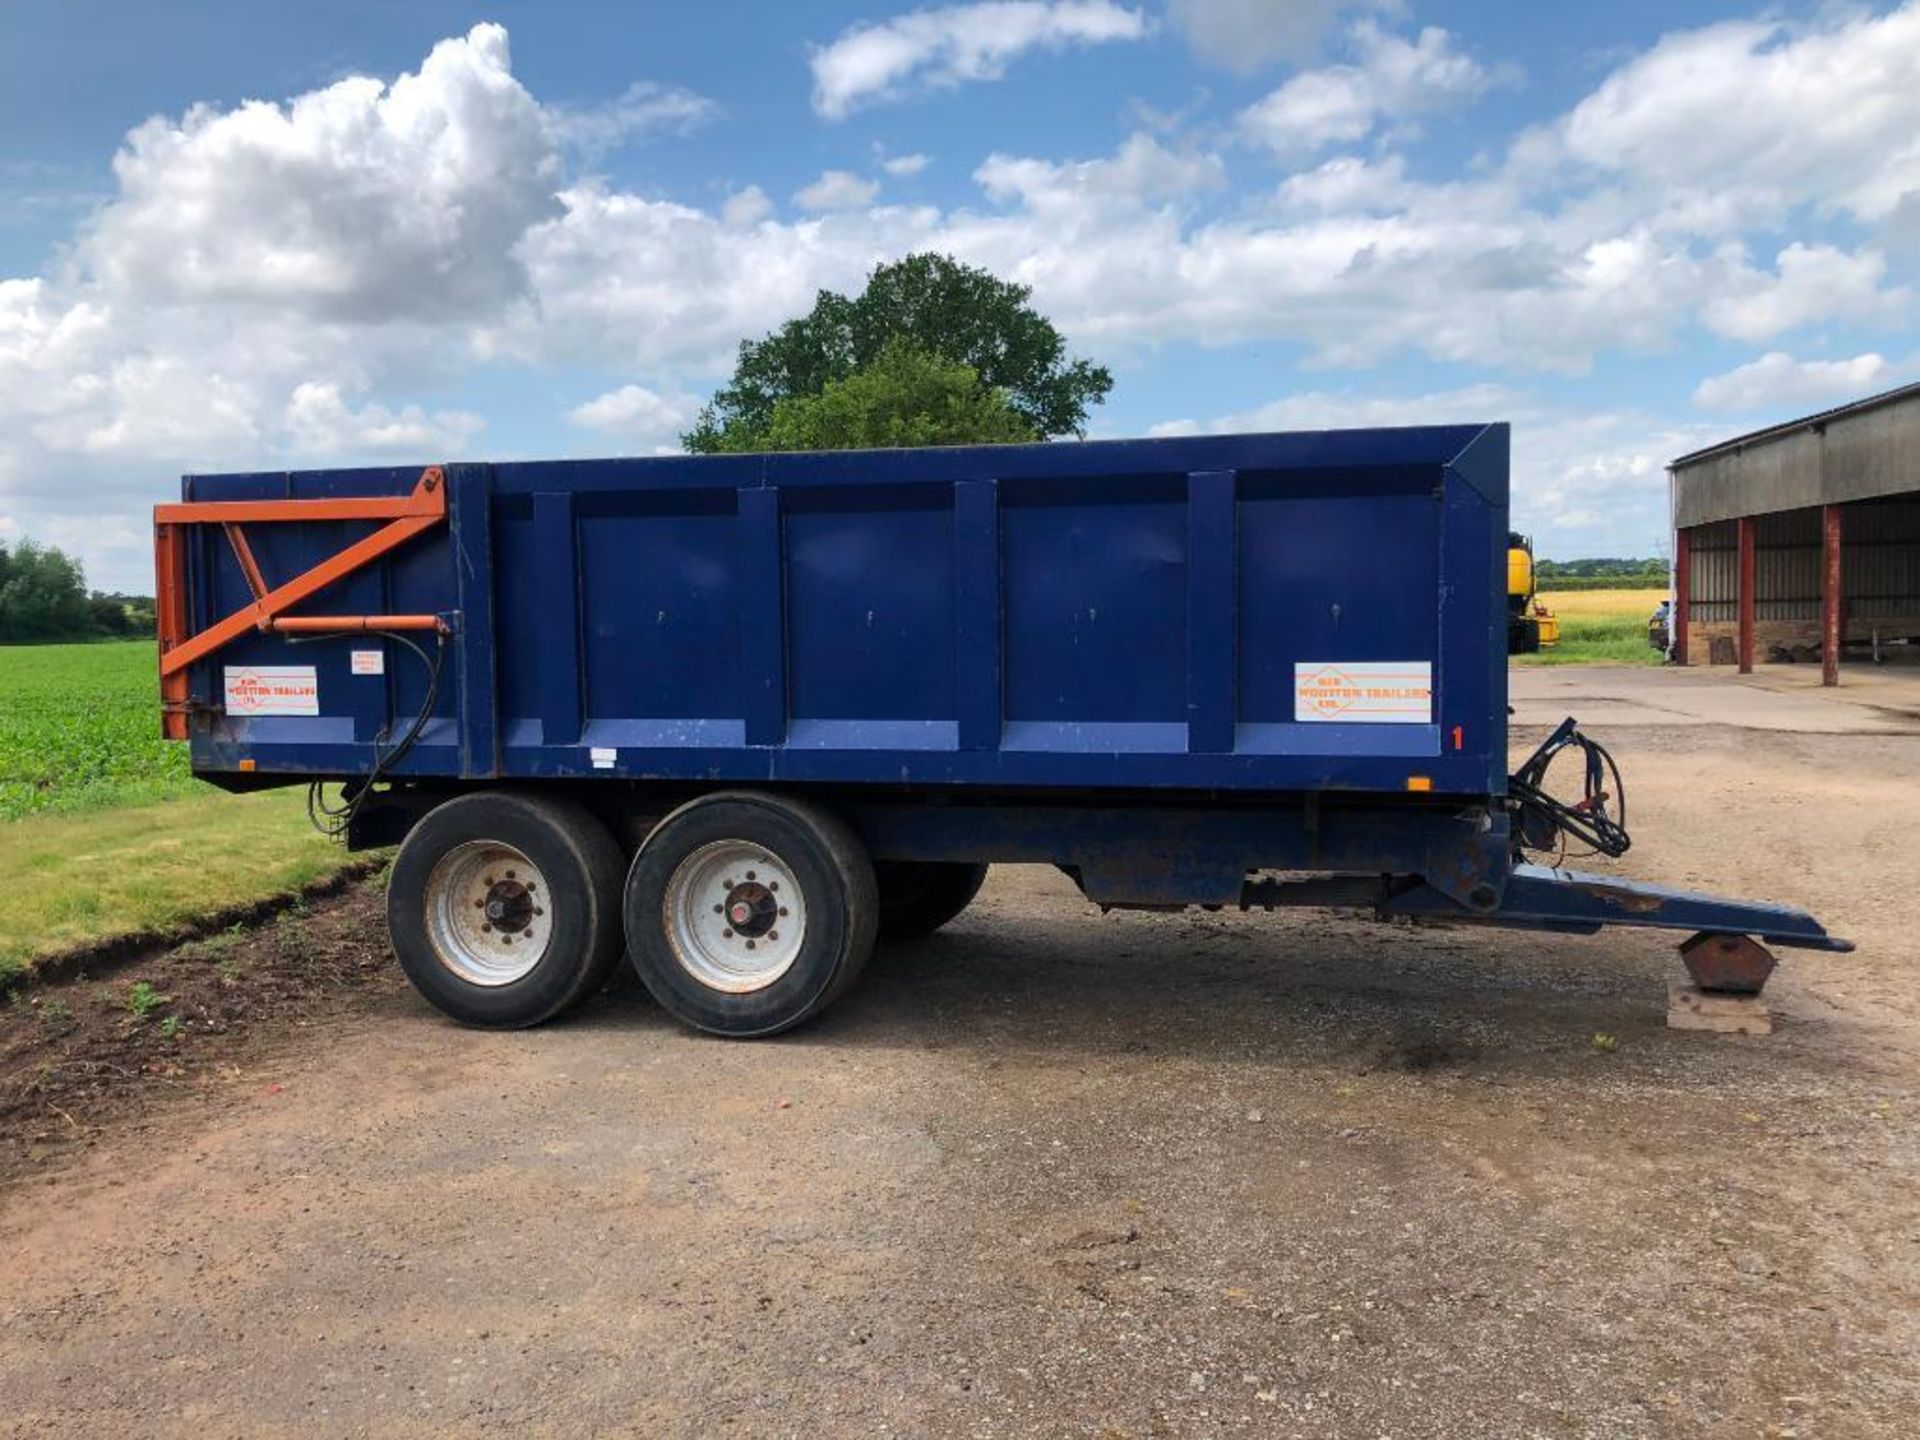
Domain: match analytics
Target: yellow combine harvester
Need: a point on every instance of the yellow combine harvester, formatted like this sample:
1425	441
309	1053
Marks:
1531	625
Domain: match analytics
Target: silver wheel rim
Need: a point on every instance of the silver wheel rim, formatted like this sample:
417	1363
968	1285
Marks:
734	916
488	913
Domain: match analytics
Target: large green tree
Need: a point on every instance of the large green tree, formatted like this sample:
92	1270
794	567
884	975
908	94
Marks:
905	397
957	313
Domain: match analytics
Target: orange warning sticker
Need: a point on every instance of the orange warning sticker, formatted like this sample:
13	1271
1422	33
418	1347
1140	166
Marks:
272	690
1374	692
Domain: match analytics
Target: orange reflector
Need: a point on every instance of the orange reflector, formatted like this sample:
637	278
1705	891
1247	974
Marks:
249	766
1419	782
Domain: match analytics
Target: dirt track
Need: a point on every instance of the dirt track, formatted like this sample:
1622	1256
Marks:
1052	1173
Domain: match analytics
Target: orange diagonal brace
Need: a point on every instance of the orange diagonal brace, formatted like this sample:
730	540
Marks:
243	552
407	517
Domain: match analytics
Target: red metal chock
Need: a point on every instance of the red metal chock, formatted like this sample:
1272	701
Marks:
1728	964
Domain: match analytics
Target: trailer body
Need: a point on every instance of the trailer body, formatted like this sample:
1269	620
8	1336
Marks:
1161	664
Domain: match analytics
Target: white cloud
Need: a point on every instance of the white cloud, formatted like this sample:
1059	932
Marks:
1764	115
1813	283
360	202
644	109
1348	185
746	207
319	422
1142	171
1777	381
637	414
837	190
1393	79
938	49
1247	35
902	167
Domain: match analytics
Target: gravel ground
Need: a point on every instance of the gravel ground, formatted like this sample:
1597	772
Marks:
1049	1173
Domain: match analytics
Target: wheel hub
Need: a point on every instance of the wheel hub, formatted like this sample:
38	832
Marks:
509	906
751	909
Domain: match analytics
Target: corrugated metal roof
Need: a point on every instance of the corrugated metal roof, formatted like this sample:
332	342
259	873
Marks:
1806	422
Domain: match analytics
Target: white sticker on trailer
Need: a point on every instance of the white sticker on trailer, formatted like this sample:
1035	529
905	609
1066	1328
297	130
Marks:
603	757
369	662
272	690
1369	692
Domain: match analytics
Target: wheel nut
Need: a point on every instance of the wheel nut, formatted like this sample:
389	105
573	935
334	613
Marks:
486	928
773	934
773	884
783	910
749	875
719	909
726	934
538	911
749	944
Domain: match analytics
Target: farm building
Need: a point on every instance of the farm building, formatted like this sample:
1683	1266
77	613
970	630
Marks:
1801	541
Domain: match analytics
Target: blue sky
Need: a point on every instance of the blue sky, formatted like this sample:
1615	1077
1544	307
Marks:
244	235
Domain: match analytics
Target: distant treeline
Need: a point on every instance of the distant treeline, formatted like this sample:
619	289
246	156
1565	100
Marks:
44	596
1600	574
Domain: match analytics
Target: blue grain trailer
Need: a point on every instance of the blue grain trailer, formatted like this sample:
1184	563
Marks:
739	716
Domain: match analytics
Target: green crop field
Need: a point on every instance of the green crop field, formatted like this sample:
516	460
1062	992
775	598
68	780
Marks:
1600	626
103	829
80	728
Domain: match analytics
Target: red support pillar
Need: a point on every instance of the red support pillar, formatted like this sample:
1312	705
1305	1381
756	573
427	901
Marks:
1682	593
1830	592
1746	594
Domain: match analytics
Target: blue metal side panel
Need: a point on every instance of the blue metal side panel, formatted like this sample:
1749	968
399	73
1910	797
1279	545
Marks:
1094	603
758	563
1337	569
659	577
1212	610
1473	584
976	613
870	616
557	612
1125	614
470	533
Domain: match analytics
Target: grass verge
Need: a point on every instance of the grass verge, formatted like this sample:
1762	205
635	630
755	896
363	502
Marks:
95	875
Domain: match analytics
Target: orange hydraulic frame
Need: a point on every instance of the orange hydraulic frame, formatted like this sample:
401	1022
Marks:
406	516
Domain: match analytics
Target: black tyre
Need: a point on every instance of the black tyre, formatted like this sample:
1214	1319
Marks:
917	897
504	908
749	913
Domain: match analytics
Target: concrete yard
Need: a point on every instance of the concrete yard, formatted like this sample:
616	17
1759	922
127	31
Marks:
1053	1173
1872	700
